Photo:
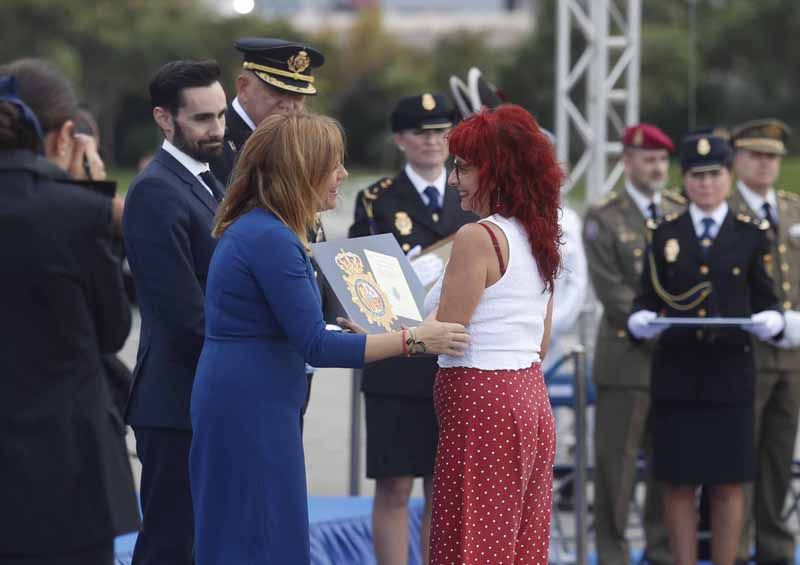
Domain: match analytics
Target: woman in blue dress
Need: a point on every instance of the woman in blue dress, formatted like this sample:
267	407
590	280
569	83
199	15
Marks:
263	323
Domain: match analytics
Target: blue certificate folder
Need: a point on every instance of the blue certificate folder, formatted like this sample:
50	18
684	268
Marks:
372	281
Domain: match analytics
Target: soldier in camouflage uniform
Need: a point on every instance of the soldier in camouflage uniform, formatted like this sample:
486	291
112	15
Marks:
759	147
614	238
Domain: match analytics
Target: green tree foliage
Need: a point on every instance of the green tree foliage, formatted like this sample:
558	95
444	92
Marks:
744	57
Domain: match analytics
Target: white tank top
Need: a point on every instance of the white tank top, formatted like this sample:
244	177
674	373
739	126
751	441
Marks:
507	326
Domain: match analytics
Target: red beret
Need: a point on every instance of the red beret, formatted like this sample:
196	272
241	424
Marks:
647	136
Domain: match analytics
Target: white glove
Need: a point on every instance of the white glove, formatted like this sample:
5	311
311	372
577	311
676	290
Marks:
414	252
428	267
765	325
791	333
640	327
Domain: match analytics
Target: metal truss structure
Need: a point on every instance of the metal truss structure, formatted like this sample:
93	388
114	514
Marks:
608	67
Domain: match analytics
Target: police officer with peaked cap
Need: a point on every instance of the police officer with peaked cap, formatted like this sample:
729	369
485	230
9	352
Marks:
708	262
419	209
276	77
614	236
759	146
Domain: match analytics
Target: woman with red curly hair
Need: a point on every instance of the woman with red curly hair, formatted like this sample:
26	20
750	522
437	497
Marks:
493	477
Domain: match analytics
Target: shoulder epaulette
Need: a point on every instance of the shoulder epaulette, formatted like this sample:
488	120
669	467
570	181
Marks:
760	223
673	195
788	195
374	191
607	199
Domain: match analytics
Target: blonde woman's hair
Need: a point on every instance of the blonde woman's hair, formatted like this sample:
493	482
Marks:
281	168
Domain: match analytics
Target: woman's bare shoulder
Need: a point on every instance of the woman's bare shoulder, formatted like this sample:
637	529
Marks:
472	239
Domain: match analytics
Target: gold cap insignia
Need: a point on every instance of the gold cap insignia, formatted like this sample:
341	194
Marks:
298	62
428	101
403	223
703	146
671	250
638	137
774	131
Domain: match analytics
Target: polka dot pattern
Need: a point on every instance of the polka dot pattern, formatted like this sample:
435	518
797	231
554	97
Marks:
493	479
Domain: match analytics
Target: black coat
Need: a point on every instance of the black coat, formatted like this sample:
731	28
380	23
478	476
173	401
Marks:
167	226
64	469
713	366
397	208
236	133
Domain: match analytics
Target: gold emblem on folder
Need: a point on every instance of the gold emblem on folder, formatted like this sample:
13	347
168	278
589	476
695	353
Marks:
364	290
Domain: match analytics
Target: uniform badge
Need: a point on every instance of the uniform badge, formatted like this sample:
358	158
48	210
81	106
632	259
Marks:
638	138
402	222
671	250
364	290
428	102
703	146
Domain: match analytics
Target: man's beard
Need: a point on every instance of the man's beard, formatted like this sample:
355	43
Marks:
653	186
657	185
200	151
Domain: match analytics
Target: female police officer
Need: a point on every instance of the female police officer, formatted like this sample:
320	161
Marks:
419	209
707	262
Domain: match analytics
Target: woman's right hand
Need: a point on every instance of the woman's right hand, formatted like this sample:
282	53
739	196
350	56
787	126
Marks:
442	337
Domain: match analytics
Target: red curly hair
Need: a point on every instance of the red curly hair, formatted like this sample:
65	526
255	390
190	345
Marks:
518	176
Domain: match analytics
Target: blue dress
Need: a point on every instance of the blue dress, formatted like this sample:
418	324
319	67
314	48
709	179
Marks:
263	322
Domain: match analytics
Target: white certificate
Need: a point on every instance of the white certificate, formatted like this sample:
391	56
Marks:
722	322
389	275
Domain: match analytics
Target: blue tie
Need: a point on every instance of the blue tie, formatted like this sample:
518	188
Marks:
433	199
773	224
705	237
211	182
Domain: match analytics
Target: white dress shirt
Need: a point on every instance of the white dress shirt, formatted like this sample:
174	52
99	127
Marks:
756	201
239	109
642	201
421	184
698	215
190	163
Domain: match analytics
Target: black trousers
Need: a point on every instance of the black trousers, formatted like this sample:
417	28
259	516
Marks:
96	555
167	535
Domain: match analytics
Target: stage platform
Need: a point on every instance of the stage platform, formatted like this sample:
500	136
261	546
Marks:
341	533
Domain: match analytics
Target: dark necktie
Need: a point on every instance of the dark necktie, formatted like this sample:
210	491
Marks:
653	211
773	224
212	183
433	200
705	238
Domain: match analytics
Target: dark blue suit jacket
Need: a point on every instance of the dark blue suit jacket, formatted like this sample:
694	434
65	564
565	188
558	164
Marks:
167	226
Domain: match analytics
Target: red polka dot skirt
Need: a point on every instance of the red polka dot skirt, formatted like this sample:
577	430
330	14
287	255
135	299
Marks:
493	479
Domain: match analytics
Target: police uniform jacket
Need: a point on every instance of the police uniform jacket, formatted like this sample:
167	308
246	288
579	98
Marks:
783	266
394	206
236	133
614	238
706	365
64	466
